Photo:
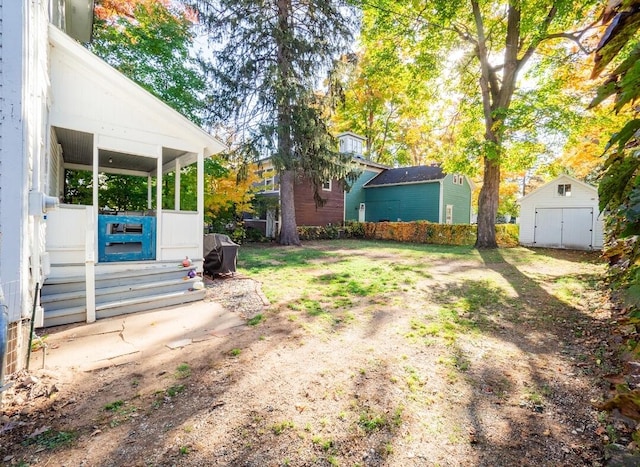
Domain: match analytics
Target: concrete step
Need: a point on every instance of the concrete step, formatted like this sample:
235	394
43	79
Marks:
148	303
58	301
58	285
122	307
65	316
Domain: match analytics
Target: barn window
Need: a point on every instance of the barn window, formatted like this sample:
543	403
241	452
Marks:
564	189
326	186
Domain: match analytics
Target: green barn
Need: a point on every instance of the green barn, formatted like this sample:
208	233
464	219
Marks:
416	193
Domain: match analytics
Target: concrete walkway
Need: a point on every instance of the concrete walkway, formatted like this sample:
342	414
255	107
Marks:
125	338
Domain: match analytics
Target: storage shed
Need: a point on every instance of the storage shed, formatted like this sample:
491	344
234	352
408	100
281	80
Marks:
563	213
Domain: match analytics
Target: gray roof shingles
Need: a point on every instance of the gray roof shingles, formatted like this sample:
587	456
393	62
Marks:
416	174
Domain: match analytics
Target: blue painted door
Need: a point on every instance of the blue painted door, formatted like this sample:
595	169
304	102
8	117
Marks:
126	238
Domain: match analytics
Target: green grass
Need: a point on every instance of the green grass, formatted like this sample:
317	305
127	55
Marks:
257	319
173	391
281	427
183	371
52	439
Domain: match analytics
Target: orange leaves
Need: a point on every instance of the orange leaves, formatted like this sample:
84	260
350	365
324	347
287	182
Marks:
228	192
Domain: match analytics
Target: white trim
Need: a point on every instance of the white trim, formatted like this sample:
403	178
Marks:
176	185
441	203
439	180
114	83
557	180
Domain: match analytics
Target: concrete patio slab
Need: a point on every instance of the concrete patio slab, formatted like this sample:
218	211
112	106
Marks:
120	339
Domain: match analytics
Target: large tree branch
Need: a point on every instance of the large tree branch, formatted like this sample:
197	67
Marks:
544	27
482	53
575	36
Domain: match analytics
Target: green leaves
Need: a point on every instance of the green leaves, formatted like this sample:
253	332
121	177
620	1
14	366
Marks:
153	49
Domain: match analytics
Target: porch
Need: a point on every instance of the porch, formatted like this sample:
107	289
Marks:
103	256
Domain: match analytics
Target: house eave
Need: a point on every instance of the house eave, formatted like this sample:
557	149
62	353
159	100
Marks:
118	84
419	182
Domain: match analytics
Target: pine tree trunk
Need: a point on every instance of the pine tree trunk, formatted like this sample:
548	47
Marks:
288	226
488	205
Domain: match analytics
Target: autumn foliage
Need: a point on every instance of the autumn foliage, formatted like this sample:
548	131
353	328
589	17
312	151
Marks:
437	234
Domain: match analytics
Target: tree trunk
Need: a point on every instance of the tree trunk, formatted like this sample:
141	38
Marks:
288	225
488	205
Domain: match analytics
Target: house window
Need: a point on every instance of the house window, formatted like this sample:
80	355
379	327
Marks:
564	189
326	186
455	179
449	214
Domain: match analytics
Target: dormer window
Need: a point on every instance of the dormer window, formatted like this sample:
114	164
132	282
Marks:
350	144
564	189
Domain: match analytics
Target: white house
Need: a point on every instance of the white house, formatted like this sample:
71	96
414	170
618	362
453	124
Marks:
563	213
63	109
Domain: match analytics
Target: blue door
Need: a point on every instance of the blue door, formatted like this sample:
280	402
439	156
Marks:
126	238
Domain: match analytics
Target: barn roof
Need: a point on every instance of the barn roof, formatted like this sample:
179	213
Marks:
407	175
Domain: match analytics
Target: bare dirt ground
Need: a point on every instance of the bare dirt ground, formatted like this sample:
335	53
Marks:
512	382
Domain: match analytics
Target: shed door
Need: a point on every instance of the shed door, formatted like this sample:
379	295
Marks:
577	228
564	228
548	228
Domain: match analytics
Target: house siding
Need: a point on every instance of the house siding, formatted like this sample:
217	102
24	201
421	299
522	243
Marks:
357	195
306	211
459	197
24	97
547	197
404	203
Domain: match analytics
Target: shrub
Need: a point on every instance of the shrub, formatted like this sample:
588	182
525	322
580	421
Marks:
439	234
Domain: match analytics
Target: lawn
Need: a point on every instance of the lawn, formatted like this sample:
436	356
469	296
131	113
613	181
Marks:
371	354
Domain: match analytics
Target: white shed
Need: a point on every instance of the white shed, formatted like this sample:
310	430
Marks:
563	213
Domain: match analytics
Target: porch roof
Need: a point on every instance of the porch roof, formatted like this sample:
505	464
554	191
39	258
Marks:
91	99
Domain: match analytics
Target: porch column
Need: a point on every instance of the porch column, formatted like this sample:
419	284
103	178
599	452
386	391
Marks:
149	193
159	203
200	202
91	241
176	187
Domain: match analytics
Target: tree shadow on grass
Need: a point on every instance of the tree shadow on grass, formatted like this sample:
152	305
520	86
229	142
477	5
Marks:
548	417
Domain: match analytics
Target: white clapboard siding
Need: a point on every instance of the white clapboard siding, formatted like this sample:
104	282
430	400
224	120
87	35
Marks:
576	211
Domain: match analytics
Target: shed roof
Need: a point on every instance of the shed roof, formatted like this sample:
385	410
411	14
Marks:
407	175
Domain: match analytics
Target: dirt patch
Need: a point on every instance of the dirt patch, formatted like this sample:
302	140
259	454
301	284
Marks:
476	361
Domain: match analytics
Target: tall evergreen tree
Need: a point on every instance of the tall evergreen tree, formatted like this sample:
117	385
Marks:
267	60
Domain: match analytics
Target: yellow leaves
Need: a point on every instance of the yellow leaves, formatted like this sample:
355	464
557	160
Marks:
228	192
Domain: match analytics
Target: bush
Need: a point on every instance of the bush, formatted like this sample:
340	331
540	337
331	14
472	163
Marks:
354	229
328	232
438	234
254	235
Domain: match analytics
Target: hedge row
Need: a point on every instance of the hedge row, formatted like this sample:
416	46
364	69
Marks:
413	232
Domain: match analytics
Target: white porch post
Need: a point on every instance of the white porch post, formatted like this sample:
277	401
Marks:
91	241
159	203
200	198
149	193
176	187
